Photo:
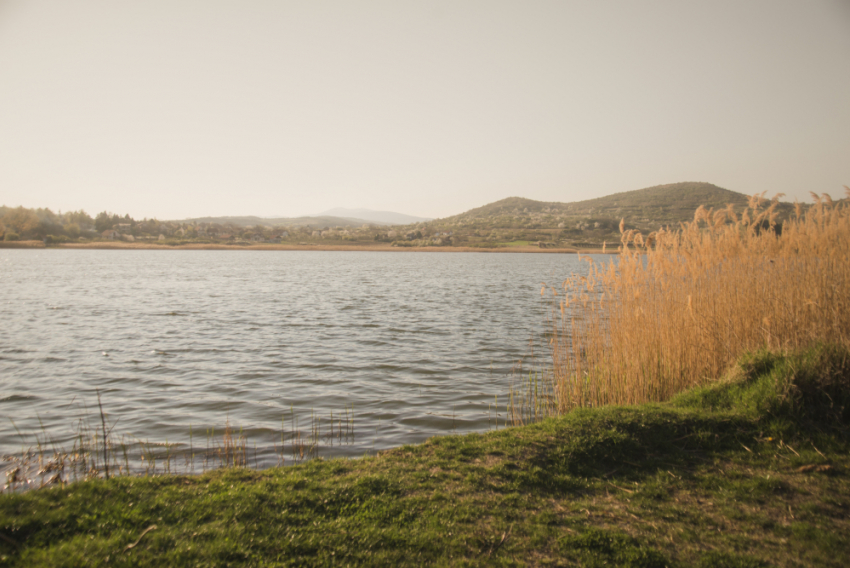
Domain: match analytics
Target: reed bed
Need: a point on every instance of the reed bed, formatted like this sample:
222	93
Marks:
96	452
676	307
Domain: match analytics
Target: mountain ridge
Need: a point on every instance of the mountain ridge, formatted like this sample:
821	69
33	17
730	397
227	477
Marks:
678	200
382	217
305	221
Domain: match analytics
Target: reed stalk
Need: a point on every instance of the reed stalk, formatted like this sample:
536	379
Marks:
678	306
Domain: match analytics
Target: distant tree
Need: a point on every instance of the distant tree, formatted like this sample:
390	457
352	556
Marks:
80	217
22	221
72	230
151	226
103	222
46	213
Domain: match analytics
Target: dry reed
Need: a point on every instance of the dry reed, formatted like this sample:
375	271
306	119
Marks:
96	452
677	307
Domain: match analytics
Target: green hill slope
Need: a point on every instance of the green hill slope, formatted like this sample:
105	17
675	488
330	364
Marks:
675	201
586	223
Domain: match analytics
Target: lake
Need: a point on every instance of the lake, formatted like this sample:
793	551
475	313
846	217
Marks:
410	345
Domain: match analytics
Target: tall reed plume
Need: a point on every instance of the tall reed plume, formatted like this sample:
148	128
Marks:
678	306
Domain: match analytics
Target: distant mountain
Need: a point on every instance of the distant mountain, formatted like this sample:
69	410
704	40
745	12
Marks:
251	221
338	217
382	217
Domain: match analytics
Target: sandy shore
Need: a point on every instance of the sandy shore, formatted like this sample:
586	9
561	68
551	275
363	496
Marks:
378	247
21	244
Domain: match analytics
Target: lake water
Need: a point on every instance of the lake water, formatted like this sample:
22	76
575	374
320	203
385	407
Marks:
413	344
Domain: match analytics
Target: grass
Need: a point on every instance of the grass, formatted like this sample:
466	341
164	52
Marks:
751	471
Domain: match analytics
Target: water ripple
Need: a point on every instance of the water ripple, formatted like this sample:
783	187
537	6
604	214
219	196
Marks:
416	344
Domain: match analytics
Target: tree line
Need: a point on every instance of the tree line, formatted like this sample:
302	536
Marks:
21	223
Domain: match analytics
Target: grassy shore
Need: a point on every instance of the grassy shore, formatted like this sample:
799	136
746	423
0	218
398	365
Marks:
752	471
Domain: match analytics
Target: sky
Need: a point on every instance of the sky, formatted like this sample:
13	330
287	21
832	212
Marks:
180	108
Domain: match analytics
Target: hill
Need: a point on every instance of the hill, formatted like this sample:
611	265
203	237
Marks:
674	202
584	224
379	217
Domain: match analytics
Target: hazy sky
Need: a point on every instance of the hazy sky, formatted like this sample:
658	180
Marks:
178	108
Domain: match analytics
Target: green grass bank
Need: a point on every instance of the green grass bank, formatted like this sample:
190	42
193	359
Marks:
751	471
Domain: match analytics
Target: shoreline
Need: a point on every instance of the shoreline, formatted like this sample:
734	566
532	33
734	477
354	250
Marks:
728	474
297	247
